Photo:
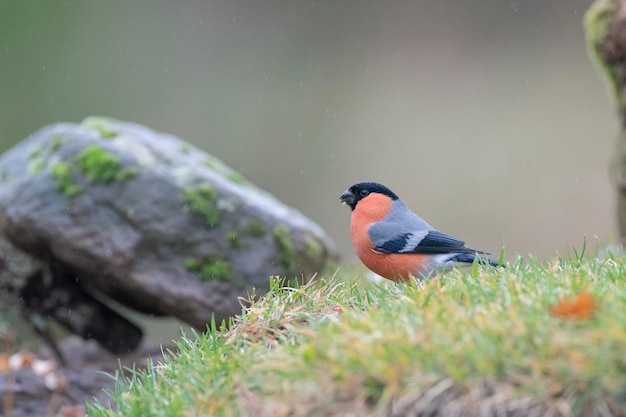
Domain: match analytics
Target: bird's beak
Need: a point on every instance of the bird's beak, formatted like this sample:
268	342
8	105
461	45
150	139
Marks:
347	198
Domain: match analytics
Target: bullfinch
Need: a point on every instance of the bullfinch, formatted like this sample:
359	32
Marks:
396	243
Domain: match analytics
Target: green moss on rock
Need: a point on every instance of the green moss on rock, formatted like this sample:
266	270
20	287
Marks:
286	253
64	183
192	264
35	152
220	167
185	149
35	166
214	164
127	173
201	199
58	141
102	125
100	165
255	229
596	23
234	240
237	178
314	248
219	270
208	270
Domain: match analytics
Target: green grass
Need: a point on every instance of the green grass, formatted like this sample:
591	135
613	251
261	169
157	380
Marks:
471	341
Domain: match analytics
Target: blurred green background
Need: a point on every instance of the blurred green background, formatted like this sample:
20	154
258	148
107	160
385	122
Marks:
484	116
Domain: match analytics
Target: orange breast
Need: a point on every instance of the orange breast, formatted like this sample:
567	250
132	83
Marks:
395	266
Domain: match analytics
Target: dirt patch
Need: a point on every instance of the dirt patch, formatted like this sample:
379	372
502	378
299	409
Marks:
87	372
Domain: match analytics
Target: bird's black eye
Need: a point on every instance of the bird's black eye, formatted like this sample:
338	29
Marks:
364	193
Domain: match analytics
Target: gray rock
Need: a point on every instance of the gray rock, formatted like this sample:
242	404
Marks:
150	220
39	290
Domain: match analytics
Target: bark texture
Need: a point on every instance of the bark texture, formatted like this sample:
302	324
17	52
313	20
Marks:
605	30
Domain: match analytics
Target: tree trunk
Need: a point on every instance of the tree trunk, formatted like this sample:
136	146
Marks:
605	30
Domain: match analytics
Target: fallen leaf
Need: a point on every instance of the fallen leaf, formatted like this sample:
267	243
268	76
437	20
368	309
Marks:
4	362
581	307
72	411
21	360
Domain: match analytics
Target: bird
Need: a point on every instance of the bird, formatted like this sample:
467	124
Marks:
397	244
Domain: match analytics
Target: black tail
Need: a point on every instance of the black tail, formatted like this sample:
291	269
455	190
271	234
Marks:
469	258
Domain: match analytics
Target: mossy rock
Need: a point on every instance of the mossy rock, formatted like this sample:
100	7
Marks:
150	220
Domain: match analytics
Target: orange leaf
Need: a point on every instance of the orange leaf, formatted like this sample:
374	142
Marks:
580	307
4	362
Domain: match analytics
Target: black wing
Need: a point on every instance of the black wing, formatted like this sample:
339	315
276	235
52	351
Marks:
432	244
395	245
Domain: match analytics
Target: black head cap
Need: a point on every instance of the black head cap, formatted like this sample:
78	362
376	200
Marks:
361	190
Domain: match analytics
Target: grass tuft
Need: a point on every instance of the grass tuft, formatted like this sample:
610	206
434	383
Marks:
481	341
